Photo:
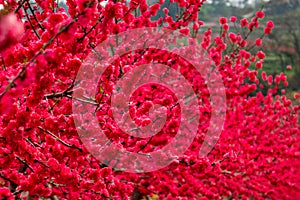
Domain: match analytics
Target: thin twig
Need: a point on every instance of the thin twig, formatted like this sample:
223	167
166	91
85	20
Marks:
35	32
145	145
83	101
91	29
32	11
17	192
28	140
58	94
60	140
7	179
3	64
42	163
61	94
20	6
24	162
56	184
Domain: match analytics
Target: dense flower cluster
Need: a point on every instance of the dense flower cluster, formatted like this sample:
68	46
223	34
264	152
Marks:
41	155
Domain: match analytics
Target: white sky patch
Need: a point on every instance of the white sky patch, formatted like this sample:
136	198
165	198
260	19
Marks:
103	3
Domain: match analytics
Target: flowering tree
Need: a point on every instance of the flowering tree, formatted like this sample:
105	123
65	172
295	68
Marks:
43	47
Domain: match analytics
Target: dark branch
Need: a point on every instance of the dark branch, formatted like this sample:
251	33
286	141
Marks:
32	11
91	29
25	163
60	140
35	32
20	6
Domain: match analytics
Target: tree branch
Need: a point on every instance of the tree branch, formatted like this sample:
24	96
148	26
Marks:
60	140
61	94
24	162
32	11
36	33
91	29
83	101
58	94
7	179
20	6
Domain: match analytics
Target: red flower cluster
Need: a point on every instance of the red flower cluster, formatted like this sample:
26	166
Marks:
41	154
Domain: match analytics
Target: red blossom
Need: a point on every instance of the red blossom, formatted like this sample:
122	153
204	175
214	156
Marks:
261	55
244	22
259	65
270	24
42	154
223	20
233	19
258	42
289	67
260	14
184	31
